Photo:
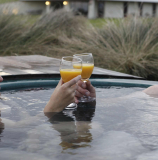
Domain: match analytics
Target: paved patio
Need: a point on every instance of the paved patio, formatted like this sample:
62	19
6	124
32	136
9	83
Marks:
37	64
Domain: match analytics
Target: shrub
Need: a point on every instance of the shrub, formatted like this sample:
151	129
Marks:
132	46
128	46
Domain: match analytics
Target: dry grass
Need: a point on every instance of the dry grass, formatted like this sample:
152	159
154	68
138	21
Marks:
130	46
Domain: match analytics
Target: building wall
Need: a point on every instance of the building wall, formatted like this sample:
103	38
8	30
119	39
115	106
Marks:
22	8
147	10
113	10
79	7
133	9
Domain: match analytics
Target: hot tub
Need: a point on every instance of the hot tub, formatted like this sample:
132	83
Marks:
121	125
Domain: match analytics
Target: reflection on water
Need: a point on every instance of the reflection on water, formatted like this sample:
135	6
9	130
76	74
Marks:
123	125
74	126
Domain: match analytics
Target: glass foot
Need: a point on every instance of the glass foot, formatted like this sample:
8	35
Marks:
71	106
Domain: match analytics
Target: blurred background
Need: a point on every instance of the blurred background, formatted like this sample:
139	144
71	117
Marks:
121	34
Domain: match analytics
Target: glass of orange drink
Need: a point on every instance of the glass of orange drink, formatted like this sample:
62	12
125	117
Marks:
68	72
87	69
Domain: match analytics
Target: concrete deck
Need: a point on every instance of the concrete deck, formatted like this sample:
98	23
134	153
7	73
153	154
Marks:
37	64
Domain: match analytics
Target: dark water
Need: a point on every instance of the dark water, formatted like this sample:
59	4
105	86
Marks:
122	126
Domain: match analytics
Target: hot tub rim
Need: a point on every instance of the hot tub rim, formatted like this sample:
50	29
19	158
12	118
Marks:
51	83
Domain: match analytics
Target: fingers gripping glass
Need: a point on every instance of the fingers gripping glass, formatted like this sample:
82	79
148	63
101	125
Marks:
87	69
68	72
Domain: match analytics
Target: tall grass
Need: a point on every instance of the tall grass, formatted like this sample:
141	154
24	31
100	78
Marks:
129	46
10	31
132	46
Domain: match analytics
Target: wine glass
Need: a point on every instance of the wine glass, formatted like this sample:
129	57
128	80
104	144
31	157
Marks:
87	69
68	72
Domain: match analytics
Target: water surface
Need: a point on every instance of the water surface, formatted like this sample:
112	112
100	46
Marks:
122	126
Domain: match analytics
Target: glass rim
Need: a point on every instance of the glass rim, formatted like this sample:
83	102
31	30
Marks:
63	58
82	54
79	59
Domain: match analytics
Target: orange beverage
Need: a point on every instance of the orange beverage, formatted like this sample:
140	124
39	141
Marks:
68	74
87	70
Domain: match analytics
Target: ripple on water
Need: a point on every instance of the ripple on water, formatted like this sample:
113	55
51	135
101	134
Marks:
122	126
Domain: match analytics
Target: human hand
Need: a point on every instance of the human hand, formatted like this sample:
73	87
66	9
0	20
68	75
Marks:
63	95
85	89
1	79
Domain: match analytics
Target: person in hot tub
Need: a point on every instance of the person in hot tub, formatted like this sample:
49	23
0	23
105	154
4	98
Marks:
84	89
152	91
